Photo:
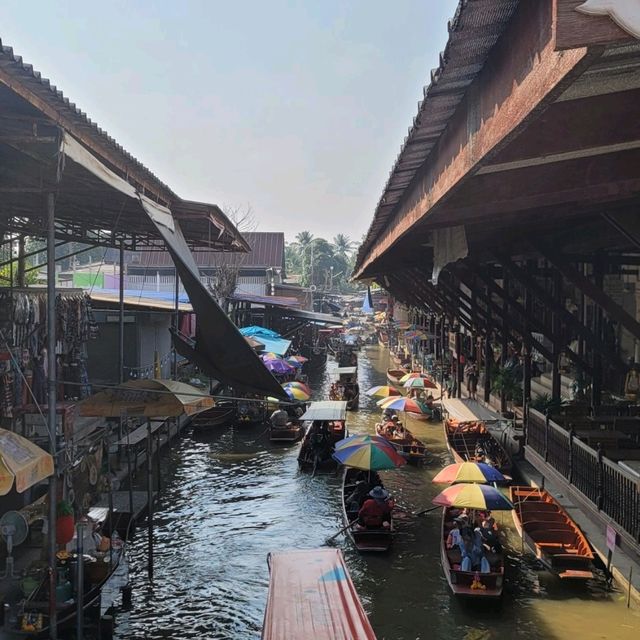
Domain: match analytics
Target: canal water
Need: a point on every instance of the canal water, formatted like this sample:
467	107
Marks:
229	497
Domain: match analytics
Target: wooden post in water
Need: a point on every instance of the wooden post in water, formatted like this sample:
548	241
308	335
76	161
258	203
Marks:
80	526
150	499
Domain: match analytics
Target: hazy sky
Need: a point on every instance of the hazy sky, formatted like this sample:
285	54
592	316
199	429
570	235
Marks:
297	109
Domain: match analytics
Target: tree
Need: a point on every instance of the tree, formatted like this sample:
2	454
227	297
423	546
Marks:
342	244
304	239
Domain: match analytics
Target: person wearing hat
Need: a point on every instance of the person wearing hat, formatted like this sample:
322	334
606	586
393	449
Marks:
375	513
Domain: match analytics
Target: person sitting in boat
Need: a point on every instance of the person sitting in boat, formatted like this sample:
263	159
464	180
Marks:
321	442
356	498
479	454
454	539
279	418
375	513
473	558
490	539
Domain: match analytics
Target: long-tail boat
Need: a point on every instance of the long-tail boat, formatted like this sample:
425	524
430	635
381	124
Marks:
326	424
405	443
472	584
472	441
551	534
311	595
218	416
394	375
364	540
346	387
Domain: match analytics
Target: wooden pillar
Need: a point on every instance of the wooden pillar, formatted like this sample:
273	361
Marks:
555	365
505	335
459	365
488	363
596	380
21	263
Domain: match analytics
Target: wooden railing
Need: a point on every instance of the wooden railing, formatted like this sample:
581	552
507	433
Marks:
610	488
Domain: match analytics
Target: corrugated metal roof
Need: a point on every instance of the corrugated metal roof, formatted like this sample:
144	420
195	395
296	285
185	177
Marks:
48	92
473	31
267	250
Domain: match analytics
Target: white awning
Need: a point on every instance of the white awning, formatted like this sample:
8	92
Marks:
326	410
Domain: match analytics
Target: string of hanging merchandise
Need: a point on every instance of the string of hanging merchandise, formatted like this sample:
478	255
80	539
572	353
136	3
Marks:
148	371
28	386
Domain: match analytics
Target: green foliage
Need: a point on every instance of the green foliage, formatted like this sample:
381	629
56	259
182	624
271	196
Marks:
503	381
546	404
323	264
64	509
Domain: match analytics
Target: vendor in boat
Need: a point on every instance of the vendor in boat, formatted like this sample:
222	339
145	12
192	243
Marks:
279	418
375	513
321	441
356	498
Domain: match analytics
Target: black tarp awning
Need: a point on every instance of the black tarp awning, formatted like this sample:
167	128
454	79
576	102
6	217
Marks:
220	350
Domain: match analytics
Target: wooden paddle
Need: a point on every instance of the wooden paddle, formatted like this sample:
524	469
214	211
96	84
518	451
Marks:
420	513
335	535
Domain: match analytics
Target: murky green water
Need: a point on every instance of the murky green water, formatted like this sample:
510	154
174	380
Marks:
229	498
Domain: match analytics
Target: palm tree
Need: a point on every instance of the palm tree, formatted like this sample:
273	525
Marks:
343	244
304	238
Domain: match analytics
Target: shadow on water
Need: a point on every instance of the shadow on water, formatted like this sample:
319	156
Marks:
229	498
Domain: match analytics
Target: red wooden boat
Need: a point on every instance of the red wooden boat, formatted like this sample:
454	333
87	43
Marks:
394	375
551	534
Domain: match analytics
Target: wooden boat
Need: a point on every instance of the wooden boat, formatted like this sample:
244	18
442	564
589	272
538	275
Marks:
406	444
293	431
311	595
326	424
218	416
551	534
346	388
472	584
394	375
465	438
365	540
33	618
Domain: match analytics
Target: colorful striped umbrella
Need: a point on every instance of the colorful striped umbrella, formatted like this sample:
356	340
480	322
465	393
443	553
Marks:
401	403
270	355
297	394
300	359
382	392
469	472
419	383
296	384
411	375
362	438
370	456
473	496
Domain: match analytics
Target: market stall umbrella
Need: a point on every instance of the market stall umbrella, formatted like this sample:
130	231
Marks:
270	356
296	384
419	383
400	403
299	359
297	394
147	398
278	366
412	375
22	461
369	456
473	496
362	438
382	391
469	472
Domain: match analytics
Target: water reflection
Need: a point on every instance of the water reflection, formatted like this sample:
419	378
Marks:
229	498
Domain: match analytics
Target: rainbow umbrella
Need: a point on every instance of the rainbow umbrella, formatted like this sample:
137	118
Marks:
294	363
411	375
270	356
400	403
300	359
469	472
362	438
370	456
297	394
296	384
382	392
419	383
473	496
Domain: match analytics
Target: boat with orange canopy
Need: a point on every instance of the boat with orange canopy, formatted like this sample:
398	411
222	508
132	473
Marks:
311	595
